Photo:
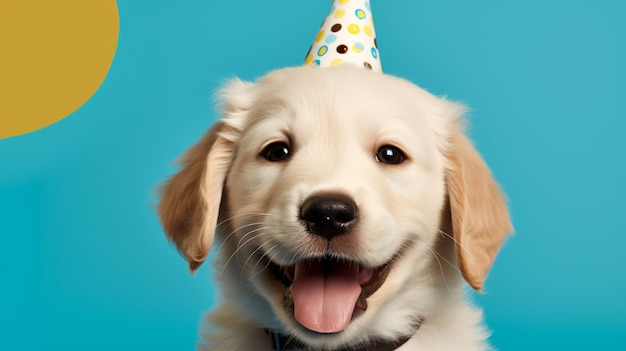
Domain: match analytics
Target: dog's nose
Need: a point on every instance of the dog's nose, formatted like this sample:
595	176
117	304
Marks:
328	215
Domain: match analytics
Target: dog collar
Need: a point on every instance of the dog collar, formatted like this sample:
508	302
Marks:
282	342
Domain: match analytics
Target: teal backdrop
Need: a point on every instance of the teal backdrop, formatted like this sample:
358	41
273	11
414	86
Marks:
84	264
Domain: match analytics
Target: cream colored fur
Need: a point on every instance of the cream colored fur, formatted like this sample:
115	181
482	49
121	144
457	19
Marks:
439	213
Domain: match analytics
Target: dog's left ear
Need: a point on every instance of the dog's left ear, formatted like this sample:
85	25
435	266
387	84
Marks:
480	218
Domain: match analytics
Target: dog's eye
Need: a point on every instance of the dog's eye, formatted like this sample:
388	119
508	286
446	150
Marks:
390	155
276	152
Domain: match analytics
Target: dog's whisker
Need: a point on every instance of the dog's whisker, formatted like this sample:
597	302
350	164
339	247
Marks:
260	271
240	246
240	228
430	278
451	237
458	243
248	233
259	260
452	265
244	215
443	275
263	254
223	242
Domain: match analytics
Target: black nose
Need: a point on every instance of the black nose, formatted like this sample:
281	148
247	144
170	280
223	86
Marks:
328	215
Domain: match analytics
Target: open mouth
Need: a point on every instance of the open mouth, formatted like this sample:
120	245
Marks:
328	292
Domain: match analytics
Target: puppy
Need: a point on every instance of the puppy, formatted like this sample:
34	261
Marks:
348	207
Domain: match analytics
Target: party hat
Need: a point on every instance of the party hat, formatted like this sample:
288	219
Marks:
347	36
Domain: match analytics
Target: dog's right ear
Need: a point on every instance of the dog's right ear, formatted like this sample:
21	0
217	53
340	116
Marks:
190	200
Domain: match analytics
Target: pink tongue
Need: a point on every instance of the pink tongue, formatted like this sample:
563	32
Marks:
325	295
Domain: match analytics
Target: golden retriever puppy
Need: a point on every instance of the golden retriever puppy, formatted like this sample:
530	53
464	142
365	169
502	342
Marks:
348	208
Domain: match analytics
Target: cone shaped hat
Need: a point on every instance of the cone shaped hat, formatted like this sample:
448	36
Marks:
346	36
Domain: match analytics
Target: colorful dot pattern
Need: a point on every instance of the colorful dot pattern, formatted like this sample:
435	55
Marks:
347	36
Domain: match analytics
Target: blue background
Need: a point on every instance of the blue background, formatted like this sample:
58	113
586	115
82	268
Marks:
84	264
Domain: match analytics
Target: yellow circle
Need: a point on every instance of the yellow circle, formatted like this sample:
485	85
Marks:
322	51
354	29
319	36
357	48
309	59
53	56
339	13
368	30
344	1
336	62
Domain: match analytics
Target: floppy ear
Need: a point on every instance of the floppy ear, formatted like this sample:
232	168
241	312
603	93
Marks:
190	200
480	219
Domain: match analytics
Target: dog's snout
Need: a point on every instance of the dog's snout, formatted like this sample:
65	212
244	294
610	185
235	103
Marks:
329	215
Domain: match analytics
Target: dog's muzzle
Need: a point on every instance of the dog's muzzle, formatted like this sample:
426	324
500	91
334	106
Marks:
326	290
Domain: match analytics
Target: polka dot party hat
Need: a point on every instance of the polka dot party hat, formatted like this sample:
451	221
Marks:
347	36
